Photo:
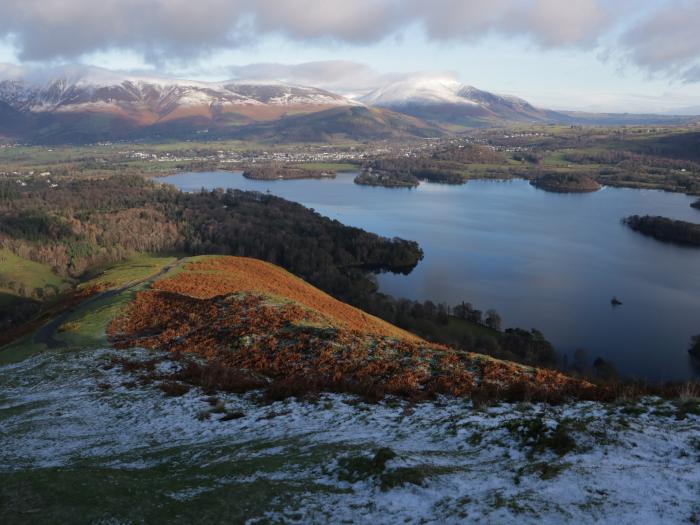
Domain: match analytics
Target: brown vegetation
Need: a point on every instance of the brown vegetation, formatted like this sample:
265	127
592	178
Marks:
258	326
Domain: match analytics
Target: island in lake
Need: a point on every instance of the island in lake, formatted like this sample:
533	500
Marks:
665	229
272	172
696	204
408	172
386	178
566	183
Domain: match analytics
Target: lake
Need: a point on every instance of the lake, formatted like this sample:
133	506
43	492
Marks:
543	260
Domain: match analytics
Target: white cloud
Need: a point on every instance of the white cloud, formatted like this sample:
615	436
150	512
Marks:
66	29
343	76
667	40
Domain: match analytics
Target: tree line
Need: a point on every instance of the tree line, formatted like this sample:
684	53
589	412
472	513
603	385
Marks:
83	225
665	229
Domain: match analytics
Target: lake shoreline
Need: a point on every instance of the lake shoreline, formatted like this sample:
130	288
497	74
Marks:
490	242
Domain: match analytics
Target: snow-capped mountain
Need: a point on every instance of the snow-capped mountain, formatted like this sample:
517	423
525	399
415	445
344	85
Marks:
79	104
87	104
152	100
444	99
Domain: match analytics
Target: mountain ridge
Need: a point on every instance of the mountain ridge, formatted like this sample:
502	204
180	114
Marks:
446	100
87	105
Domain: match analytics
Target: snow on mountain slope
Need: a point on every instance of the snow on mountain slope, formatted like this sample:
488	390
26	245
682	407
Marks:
71	420
445	99
418	90
94	89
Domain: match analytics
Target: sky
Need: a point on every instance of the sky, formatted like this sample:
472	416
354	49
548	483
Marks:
591	55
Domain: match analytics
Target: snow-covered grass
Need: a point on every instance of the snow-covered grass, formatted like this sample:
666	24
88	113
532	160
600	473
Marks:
79	437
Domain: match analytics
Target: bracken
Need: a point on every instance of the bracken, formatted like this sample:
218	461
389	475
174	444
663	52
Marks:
258	326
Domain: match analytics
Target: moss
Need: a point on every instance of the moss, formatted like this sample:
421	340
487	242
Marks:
538	436
403	476
543	469
634	410
687	407
230	416
358	468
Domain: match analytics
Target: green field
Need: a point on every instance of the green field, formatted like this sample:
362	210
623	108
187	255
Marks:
86	327
138	267
326	166
26	275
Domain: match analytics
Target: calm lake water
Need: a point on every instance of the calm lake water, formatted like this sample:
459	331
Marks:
543	260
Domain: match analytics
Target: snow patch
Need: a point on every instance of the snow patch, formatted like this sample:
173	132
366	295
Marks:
452	463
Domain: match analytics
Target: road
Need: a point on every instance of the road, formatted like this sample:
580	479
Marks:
46	335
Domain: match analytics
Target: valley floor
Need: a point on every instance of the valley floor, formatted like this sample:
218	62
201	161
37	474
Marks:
81	442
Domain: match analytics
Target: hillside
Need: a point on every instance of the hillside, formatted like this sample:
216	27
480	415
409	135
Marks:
24	284
343	123
79	105
257	325
228	399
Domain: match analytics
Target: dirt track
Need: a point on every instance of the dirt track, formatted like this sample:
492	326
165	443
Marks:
46	334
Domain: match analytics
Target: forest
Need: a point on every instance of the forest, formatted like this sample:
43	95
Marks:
275	171
665	229
445	166
566	183
80	226
465	327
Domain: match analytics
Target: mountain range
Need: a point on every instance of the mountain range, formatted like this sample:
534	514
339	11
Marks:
92	105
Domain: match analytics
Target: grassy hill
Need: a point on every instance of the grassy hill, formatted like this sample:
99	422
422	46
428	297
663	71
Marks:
28	276
24	284
239	324
258	326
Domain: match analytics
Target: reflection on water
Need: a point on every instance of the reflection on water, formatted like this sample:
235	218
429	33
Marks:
544	260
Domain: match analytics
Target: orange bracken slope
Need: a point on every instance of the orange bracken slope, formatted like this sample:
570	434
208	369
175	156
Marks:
249	319
211	277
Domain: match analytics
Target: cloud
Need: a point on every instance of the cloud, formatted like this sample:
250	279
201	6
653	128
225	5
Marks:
337	75
65	29
667	40
549	23
664	41
44	30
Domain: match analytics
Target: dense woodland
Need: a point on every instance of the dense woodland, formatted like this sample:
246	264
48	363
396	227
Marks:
464	327
445	166
279	171
81	225
665	229
565	183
